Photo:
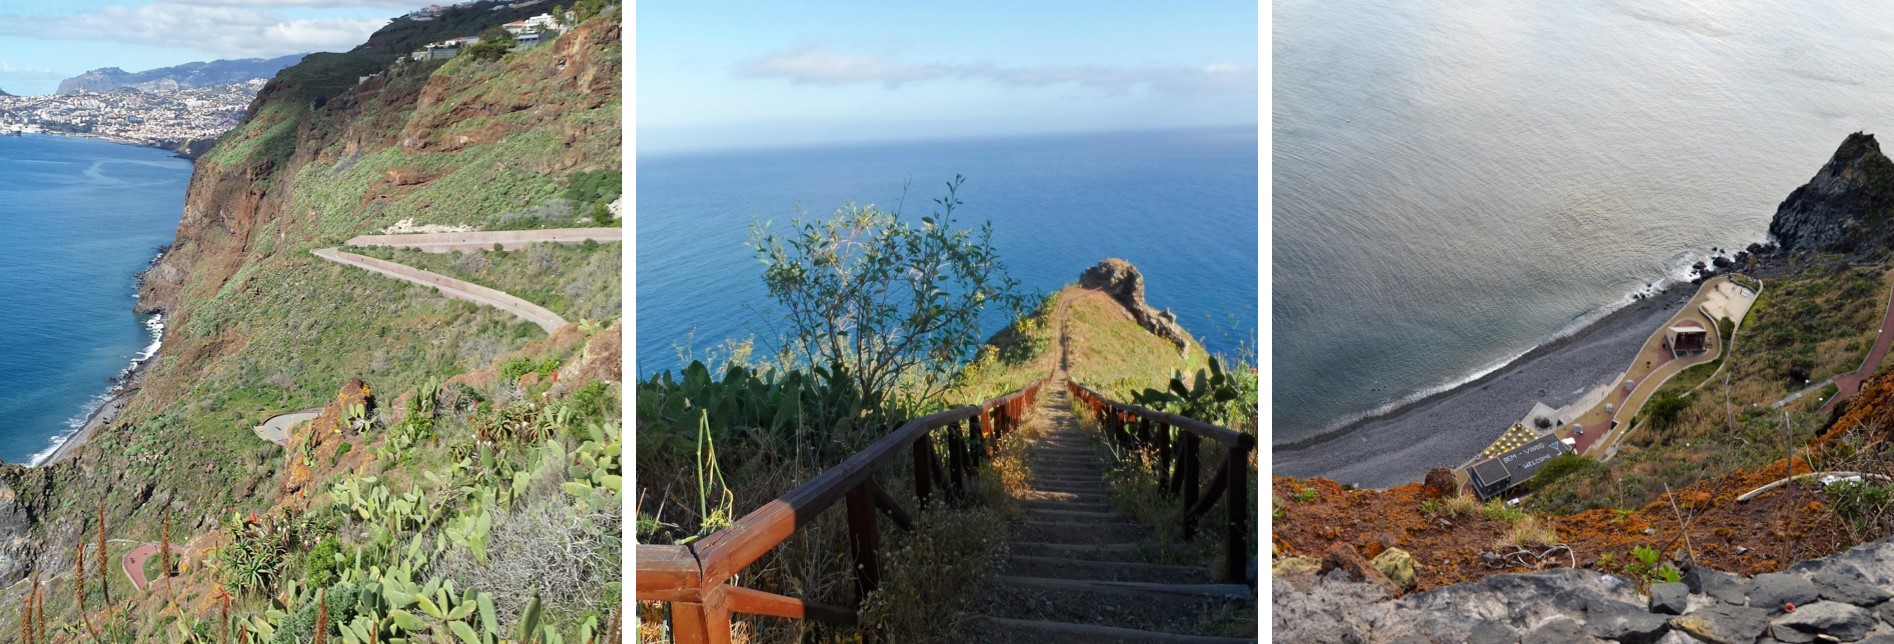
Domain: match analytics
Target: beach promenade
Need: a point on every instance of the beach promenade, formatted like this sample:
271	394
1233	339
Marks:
1718	304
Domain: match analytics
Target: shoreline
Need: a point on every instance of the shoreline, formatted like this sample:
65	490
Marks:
116	397
1444	428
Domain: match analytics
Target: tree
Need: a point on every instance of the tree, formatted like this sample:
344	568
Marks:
895	305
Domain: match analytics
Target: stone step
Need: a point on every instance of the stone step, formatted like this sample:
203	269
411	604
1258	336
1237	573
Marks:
1061	567
1002	630
1092	551
1075	516
1066	505
1162	608
1079	533
1064	496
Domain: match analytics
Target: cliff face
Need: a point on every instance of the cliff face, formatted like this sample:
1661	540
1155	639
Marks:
1845	208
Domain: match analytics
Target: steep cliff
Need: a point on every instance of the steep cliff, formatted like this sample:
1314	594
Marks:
257	326
1845	207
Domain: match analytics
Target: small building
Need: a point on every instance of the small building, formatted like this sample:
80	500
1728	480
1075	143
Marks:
1494	476
1686	338
527	40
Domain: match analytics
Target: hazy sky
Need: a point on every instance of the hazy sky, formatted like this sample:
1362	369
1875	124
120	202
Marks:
796	73
43	41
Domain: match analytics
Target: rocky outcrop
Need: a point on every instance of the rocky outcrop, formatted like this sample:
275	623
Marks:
1839	598
1845	208
1122	281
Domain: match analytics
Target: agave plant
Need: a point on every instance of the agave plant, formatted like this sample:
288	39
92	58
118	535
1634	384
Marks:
1203	398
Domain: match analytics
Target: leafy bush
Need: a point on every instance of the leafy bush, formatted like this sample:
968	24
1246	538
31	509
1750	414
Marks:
1498	510
1664	408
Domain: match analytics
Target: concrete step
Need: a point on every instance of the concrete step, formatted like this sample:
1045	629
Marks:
1091	552
1075	516
1031	504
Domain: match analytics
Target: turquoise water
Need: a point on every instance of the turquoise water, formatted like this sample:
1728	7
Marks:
82	217
1181	206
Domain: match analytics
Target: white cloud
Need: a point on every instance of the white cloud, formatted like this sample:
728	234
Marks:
819	66
224	31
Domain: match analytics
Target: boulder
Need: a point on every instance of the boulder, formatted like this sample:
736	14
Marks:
1344	557
1775	590
1670	598
1835	585
1398	566
1292	566
1723	623
1845	622
1624	623
1722	586
1558	630
1843	208
1439	483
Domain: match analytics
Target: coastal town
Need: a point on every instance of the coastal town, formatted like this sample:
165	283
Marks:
165	118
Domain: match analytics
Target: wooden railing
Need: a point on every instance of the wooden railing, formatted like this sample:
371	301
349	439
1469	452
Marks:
695	578
1136	428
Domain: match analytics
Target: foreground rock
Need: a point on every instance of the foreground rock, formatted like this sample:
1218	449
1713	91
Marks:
1842	598
1845	207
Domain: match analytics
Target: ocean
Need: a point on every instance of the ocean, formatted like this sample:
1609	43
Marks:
82	218
1180	205
1457	182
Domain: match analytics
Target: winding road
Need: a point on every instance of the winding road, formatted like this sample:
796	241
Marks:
484	240
450	287
134	564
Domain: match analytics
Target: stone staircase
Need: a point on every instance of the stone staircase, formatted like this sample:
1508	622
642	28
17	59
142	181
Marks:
1075	571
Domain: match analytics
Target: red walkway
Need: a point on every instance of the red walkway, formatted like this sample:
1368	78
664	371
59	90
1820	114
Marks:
1847	384
135	563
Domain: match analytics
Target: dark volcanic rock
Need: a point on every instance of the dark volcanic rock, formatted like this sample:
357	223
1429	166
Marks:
1670	598
1439	483
1848	589
1844	622
1845	207
1625	623
1722	586
1724	624
1122	281
1774	590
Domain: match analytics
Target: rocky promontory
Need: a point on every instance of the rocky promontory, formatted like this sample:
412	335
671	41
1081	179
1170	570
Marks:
1122	281
1845	208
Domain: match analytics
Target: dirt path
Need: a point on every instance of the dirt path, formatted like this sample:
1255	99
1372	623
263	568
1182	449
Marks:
134	565
450	287
484	240
1847	384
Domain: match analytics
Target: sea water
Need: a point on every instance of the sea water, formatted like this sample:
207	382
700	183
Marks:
1180	205
1455	183
79	218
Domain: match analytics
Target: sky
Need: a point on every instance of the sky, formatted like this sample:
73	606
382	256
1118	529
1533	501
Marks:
713	76
44	41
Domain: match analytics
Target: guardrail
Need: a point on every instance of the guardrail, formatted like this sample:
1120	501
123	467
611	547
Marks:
695	578
1137	428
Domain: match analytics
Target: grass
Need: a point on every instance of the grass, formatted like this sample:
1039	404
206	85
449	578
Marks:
1458	505
1528	531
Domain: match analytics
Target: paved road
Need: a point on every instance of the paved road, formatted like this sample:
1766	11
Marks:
276	429
484	240
450	287
1847	384
134	565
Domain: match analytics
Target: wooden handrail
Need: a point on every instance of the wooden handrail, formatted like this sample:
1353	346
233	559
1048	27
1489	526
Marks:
1223	435
694	578
1179	470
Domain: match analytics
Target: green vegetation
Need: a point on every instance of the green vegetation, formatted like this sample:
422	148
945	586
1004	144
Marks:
1645	569
1307	495
899	304
1500	510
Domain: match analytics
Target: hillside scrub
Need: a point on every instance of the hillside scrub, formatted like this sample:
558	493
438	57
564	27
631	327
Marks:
577	281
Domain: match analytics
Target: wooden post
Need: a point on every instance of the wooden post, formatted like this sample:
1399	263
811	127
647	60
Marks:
1235	549
863	539
1164	457
1190	473
923	468
976	432
1144	433
956	458
705	622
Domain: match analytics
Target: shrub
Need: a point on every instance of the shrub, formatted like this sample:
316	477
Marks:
1664	408
1498	510
1307	494
1450	506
